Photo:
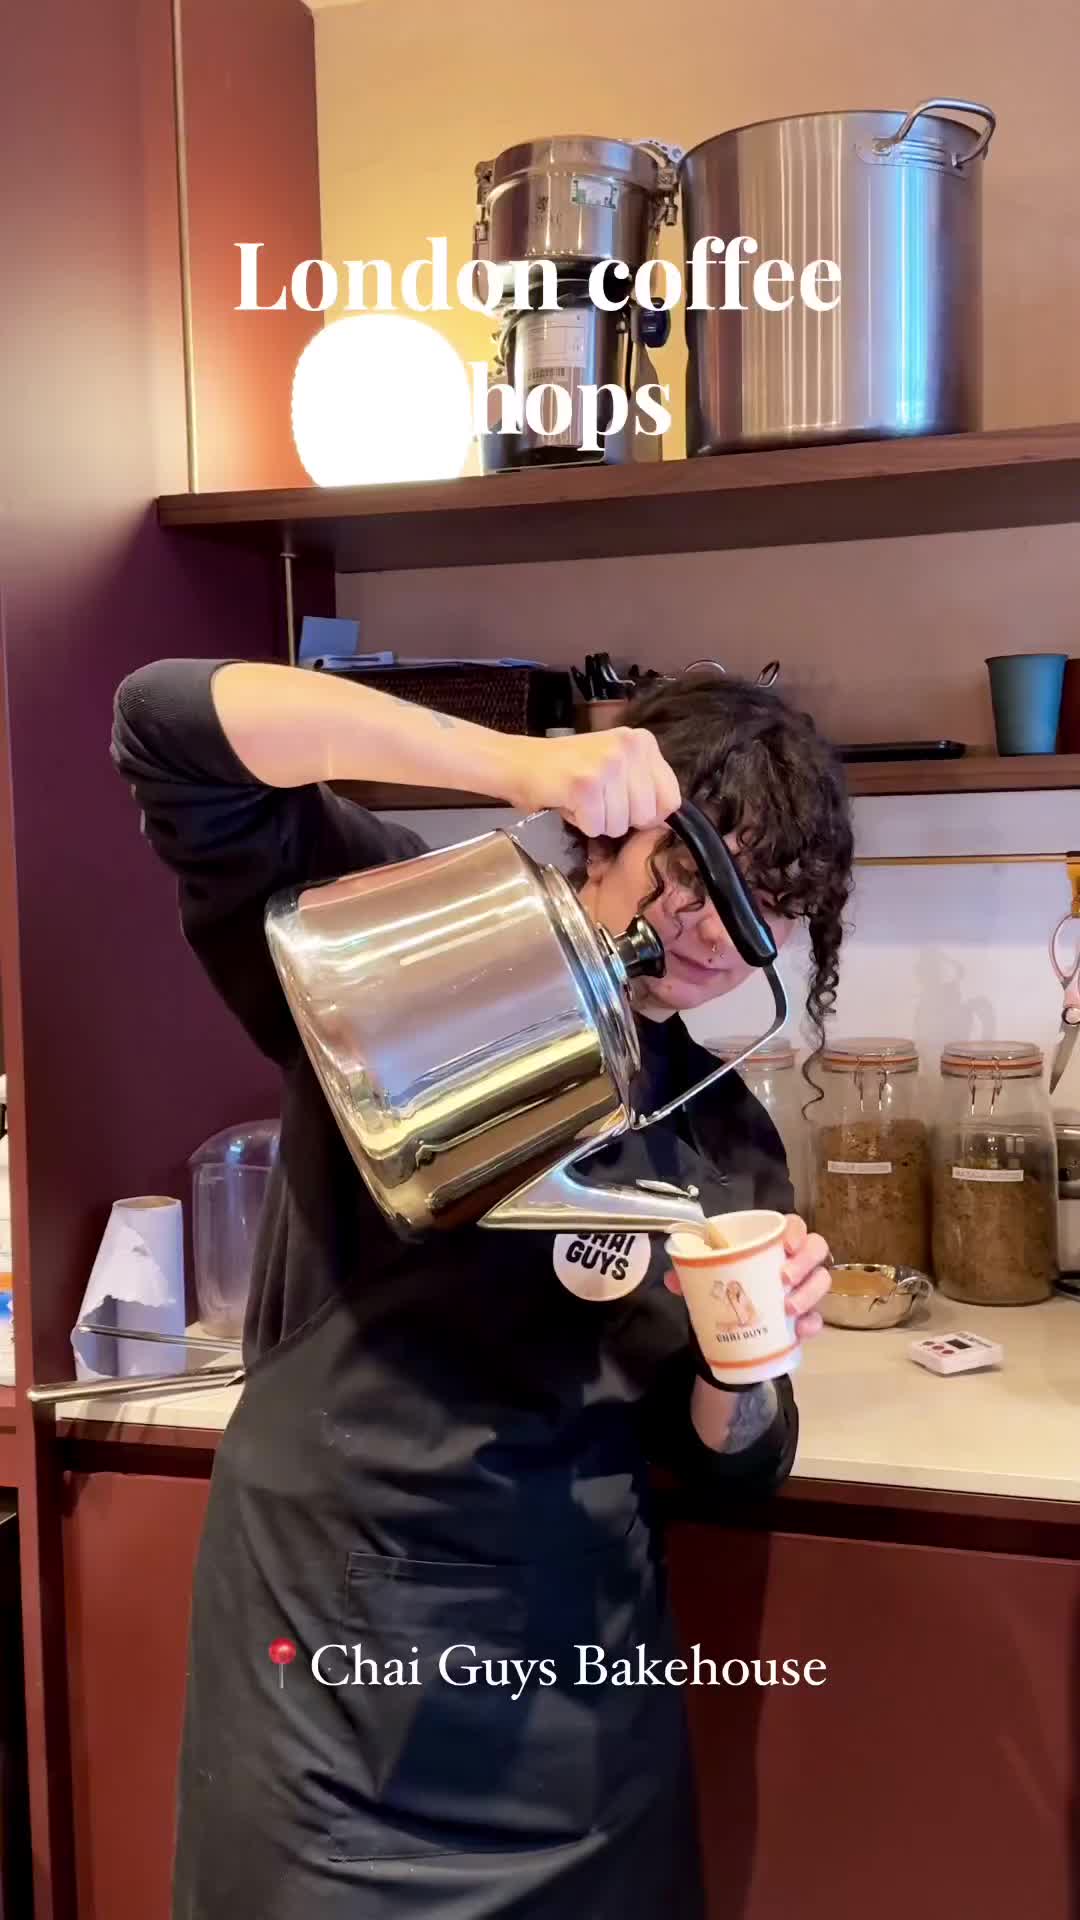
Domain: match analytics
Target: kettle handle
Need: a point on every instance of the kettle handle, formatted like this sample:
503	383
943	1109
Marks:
726	888
749	935
724	883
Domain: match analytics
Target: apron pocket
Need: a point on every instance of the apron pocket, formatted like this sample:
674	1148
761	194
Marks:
465	1725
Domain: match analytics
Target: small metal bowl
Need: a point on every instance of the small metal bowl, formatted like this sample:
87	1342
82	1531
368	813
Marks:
889	1306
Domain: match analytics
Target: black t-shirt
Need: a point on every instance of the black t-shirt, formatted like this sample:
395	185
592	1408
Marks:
468	1339
654	1085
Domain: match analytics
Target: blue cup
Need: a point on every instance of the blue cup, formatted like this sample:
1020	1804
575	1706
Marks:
1026	691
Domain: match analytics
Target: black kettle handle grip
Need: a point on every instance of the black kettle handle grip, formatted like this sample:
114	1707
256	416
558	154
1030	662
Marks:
725	886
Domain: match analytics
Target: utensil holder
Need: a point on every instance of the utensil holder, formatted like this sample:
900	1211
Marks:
595	716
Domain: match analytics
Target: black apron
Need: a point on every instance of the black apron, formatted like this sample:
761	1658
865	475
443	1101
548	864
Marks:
456	1479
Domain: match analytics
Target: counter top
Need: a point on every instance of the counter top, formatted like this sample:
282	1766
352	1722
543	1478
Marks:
868	1414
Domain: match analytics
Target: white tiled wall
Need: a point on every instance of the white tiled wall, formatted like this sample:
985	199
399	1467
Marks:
941	953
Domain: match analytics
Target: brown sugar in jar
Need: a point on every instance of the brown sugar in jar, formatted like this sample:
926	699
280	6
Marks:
871	1154
994	1177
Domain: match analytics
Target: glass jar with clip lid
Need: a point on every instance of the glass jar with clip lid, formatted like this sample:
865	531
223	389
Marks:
994	1176
871	1154
768	1068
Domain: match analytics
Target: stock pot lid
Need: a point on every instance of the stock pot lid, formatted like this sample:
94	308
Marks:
930	129
584	153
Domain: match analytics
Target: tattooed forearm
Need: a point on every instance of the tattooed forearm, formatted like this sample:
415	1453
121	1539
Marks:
753	1416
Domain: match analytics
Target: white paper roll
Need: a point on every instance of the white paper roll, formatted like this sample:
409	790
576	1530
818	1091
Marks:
137	1281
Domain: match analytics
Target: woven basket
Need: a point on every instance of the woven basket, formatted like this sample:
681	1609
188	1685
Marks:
496	697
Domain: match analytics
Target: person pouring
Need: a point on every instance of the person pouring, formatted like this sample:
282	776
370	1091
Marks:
445	1446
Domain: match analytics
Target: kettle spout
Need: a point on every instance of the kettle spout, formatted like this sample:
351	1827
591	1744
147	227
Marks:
560	1201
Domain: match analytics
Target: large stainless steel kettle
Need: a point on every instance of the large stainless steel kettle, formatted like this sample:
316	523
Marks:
473	1030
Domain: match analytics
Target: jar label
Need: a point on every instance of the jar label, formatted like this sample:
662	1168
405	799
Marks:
555	348
594	193
860	1166
988	1173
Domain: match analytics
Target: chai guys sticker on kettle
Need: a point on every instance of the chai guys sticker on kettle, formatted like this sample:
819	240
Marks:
601	1266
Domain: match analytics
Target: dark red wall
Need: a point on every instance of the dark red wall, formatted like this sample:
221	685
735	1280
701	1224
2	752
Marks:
126	1060
120	1060
252	166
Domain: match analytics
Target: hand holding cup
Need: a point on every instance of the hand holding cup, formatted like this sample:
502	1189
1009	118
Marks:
752	1284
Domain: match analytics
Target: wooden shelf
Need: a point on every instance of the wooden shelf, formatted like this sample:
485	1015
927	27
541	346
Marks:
862	490
976	773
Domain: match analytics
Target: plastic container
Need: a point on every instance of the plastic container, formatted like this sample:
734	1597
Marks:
995	1176
870	1154
230	1175
770	1074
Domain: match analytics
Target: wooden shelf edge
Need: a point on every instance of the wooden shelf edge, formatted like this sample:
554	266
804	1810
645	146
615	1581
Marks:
1024	448
867	1509
854	490
975	773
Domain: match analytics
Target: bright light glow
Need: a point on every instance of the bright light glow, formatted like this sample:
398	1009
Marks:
377	397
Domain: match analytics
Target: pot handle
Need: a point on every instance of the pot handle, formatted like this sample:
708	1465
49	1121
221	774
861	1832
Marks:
725	886
954	106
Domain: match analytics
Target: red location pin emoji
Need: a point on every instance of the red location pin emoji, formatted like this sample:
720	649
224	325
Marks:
282	1653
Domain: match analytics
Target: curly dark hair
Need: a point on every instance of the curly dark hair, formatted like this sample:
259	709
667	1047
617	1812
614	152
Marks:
760	769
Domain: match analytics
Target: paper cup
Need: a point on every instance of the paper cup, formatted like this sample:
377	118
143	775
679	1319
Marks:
735	1296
